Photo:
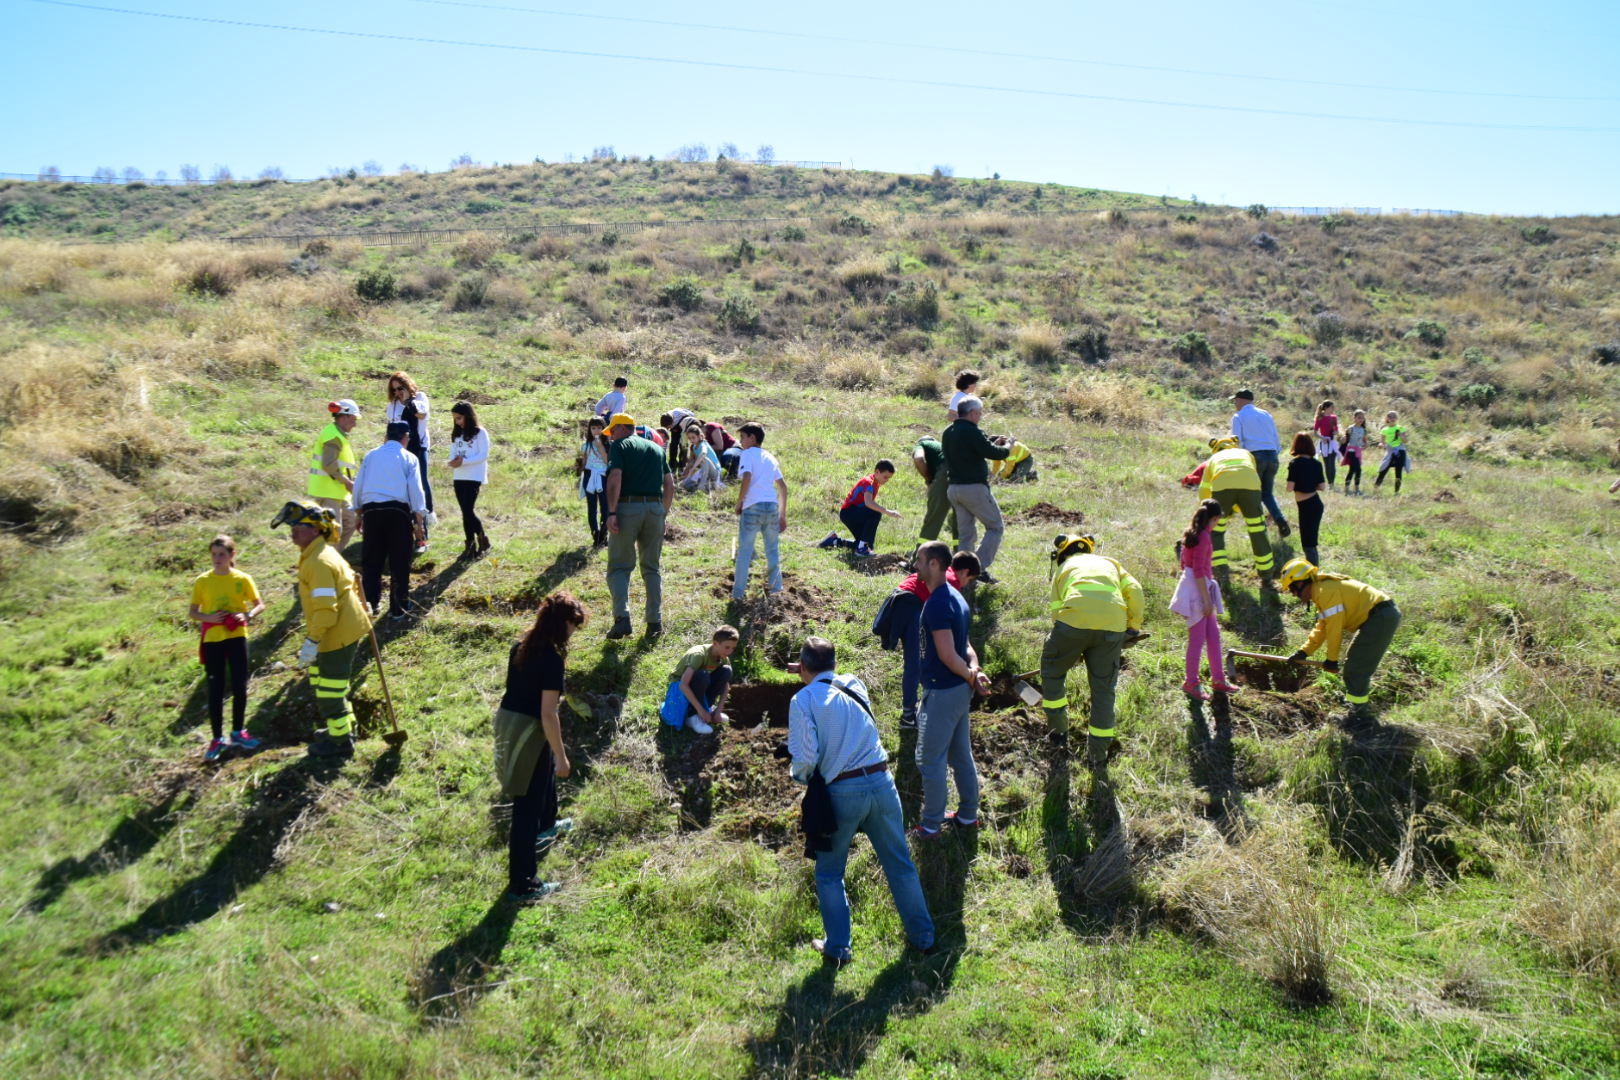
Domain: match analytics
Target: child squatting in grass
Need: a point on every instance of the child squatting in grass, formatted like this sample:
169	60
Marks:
698	686
861	513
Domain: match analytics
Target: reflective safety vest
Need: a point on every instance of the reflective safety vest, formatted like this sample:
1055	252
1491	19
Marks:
321	484
1228	470
1093	592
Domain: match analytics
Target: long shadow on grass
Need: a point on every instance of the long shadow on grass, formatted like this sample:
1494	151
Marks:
424	597
129	840
284	801
1087	851
262	645
452	981
1373	794
823	1031
1213	768
1255	616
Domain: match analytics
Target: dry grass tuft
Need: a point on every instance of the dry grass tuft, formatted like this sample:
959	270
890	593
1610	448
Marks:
1573	892
1259	900
1115	400
1039	342
863	272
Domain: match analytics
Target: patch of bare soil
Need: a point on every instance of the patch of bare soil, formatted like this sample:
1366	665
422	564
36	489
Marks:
749	705
1044	513
732	779
172	514
476	397
890	562
1445	496
673	533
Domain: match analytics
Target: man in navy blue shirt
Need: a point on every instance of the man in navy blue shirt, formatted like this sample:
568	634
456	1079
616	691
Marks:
950	677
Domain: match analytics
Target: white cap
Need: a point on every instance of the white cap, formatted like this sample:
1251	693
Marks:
343	407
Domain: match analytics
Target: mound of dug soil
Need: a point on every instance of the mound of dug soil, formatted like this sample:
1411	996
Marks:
1044	513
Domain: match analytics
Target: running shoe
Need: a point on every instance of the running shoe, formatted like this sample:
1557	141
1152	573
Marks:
215	748
244	740
829	543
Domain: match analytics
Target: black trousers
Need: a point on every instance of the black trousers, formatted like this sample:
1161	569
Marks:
1310	524
231	653
467	498
533	811
862	522
595	503
387	538
1397	461
1352	472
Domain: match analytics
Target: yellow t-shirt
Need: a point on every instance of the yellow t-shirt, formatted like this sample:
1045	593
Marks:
234	591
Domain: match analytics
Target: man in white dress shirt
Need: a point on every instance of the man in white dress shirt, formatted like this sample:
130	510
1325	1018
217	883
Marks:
1256	432
393	519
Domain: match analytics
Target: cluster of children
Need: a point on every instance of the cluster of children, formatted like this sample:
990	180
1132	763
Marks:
1346	446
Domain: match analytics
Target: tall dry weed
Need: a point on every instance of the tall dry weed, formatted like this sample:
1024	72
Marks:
1116	400
1572	892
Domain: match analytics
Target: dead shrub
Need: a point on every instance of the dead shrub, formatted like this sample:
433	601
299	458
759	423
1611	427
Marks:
1118	401
1258	900
989	224
1039	342
213	277
507	295
862	273
1572	884
546	247
476	249
921	380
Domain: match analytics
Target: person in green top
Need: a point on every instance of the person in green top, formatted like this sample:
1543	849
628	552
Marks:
639	490
1394	451
704	676
966	450
928	458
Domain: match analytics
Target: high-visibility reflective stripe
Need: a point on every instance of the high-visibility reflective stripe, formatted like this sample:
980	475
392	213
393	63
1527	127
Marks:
1101	733
1220	524
1218	559
1263	564
1328	613
1060	703
1357	699
323	592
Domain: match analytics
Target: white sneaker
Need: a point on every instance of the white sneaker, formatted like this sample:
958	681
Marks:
432	519
699	726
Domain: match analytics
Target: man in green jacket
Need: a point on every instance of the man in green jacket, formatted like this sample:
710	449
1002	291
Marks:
966	451
928	457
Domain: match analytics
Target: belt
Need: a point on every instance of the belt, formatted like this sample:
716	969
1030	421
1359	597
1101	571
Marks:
641	498
387	504
882	766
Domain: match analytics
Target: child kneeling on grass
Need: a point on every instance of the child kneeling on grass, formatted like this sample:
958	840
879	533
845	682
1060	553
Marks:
697	689
861	513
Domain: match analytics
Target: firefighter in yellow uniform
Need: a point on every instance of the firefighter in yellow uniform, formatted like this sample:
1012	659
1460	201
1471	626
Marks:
332	467
1017	466
335	621
1345	604
1096	609
1231	479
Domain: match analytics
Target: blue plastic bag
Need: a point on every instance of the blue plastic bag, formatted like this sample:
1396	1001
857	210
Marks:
675	707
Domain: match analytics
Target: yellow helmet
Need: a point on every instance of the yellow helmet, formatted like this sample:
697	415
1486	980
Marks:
1295	571
1072	544
302	513
1223	442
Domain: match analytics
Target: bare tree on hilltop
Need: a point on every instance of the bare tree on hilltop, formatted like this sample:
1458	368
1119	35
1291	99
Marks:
603	153
222	175
692	152
271	172
465	161
103	175
191	174
50	172
729	151
766	154
372	168
132	174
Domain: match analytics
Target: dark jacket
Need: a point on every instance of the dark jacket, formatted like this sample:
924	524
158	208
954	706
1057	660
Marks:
887	623
966	451
817	820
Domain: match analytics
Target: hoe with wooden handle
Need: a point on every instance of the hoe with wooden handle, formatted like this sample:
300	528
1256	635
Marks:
1270	658
395	737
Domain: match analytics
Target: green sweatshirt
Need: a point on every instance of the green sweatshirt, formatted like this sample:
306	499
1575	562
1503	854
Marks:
966	451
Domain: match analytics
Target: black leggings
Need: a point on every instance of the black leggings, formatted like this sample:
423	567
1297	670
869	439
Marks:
861	521
1310	523
1352	471
532	812
216	656
467	497
1397	461
594	503
1328	463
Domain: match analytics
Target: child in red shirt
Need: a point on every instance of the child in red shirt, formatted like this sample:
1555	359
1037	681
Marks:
861	512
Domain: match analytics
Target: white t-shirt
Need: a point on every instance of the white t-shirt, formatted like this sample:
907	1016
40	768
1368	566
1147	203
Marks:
956	397
758	463
396	411
612	402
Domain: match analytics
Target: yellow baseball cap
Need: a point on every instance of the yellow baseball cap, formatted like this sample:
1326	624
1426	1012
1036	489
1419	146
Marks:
622	418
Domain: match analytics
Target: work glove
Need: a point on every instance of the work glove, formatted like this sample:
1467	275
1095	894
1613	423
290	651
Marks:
1330	665
235	619
1299	657
308	652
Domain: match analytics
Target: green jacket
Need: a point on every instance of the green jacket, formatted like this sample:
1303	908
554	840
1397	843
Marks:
966	451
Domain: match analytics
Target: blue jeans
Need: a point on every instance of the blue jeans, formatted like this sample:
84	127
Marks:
1265	463
869	804
942	740
729	460
756	519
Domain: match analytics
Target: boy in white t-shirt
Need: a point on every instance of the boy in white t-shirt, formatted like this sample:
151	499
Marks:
762	505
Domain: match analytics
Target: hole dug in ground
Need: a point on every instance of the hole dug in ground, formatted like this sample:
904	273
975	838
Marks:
731	779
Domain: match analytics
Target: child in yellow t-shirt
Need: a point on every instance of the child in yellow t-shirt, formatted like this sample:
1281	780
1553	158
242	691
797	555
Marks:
222	602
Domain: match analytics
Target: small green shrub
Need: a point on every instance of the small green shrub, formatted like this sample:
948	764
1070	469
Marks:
481	206
1475	355
609	238
1429	332
1478	395
1537	234
916	303
471	293
1090	344
1328	328
211	278
685	293
597	266
793	234
376	286
743	252
1193	348
1606	354
1187	219
739	314
1257	211
1332	223
854	225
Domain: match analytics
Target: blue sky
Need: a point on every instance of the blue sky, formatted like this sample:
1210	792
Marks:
1041	91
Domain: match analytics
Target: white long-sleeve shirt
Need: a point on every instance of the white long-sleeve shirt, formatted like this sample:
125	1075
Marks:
474	455
829	731
390	473
1255	429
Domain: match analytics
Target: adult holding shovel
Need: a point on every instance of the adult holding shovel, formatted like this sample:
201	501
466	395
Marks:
335	621
1343	604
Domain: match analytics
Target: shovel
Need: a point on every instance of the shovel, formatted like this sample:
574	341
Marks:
1032	696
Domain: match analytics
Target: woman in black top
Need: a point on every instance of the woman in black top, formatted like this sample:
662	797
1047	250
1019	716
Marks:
529	751
1305	480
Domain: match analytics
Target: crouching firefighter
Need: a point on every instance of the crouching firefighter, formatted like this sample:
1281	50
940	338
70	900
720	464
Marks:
334	622
1096	609
1345	604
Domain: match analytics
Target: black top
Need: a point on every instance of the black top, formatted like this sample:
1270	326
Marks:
1305	473
966	451
541	670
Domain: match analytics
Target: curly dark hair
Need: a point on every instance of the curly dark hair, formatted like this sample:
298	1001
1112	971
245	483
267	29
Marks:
557	611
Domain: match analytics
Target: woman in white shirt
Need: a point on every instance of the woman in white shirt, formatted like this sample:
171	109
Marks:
967	384
407	403
469	457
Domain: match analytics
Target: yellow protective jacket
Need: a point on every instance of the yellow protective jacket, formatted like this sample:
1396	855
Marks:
321	485
1229	470
334	612
1004	468
1341	604
1093	592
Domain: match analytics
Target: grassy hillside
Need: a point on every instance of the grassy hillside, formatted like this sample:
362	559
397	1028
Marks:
510	196
1262	897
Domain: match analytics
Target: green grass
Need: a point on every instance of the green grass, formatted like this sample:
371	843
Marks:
167	919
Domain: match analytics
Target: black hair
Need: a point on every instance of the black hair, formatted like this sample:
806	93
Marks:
937	552
754	430
965	562
1209	510
620	383
469	423
966	378
884	465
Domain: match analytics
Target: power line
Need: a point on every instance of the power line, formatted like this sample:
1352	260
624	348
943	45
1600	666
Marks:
802	35
938	84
